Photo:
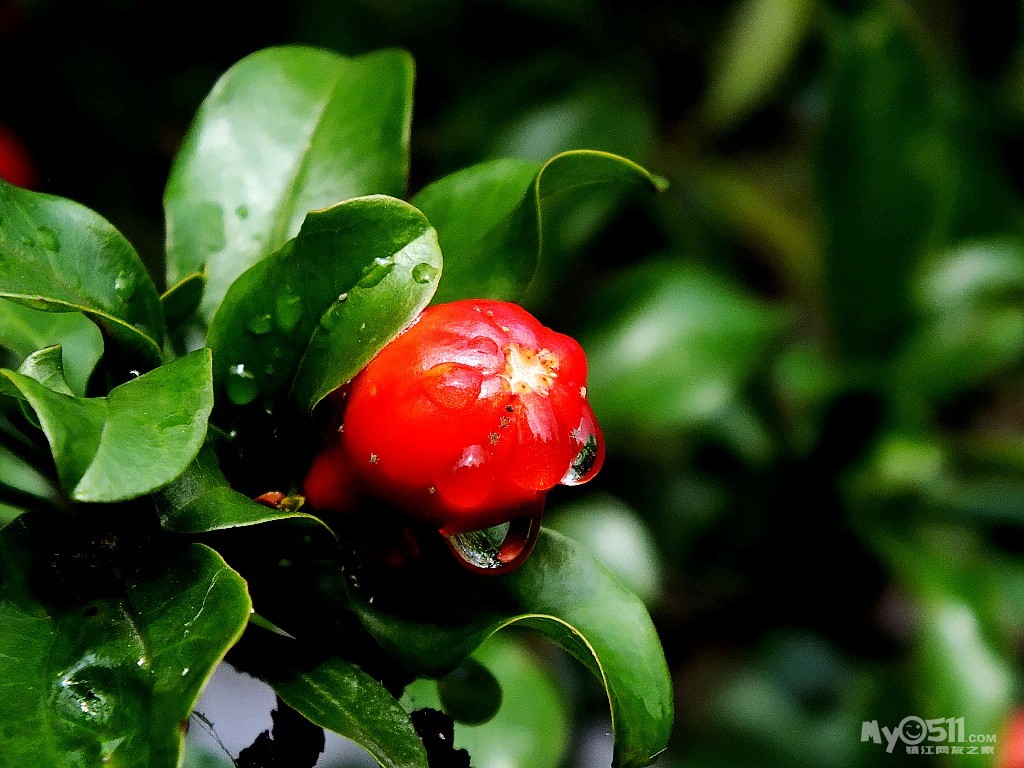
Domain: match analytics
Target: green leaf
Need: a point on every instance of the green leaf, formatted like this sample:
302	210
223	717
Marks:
961	651
670	353
25	480
137	439
530	730
201	500
284	131
905	168
59	256
335	694
47	367
181	300
320	308
973	321
757	48
24	330
489	217
9	514
599	113
563	592
104	669
617	536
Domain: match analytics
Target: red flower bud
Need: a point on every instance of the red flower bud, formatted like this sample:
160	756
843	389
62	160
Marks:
15	164
464	422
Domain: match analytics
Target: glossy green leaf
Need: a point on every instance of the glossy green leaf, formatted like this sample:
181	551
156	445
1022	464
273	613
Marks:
617	536
337	695
671	350
284	131
137	439
8	514
24	330
101	669
25	480
489	217
320	308
201	500
47	367
761	41
182	299
563	592
59	256
531	728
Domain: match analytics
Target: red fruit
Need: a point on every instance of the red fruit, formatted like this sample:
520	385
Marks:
15	165
1011	753
464	422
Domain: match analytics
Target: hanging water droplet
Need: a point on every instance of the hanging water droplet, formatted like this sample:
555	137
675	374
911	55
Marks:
287	312
376	272
585	465
48	239
241	385
124	285
424	273
260	324
242	211
501	547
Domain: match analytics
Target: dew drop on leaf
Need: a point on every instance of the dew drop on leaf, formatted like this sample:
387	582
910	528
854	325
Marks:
241	385
260	325
242	211
124	285
377	271
27	241
81	696
287	312
424	273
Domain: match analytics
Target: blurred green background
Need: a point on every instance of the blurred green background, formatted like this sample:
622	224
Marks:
807	355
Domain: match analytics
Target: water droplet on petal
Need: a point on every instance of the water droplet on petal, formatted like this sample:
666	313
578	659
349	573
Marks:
587	436
48	239
424	273
260	325
287	312
500	548
124	285
452	385
241	385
